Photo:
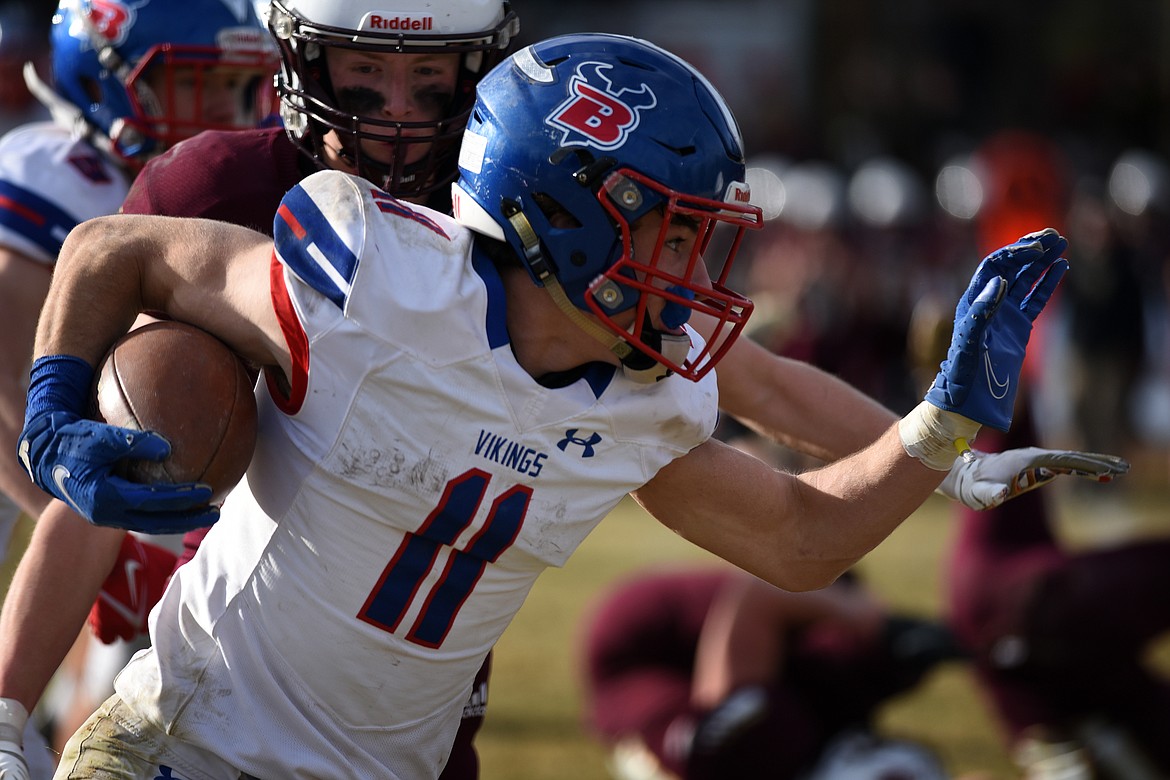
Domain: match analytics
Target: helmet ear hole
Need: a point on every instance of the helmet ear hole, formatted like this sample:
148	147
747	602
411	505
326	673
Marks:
91	88
557	215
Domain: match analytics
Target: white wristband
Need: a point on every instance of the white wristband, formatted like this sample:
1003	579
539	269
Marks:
935	436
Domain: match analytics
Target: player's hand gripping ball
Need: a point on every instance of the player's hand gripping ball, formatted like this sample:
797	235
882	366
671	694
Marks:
188	386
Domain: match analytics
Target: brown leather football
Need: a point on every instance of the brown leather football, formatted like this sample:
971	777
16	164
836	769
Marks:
187	385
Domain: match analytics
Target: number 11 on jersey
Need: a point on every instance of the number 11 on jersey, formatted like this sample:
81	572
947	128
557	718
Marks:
402	579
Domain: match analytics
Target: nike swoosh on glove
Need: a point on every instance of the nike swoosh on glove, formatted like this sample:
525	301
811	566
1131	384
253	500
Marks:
991	478
133	587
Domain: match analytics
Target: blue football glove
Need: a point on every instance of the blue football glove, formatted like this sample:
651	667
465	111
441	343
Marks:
74	459
980	376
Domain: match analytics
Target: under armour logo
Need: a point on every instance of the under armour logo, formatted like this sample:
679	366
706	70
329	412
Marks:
598	112
586	445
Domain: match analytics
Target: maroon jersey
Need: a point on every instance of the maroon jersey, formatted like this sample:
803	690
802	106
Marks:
1060	636
236	176
640	646
240	176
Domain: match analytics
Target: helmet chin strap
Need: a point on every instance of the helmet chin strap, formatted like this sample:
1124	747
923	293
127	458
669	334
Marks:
636	365
646	370
374	170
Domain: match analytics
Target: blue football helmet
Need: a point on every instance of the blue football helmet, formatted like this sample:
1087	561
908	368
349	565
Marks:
104	52
480	31
606	129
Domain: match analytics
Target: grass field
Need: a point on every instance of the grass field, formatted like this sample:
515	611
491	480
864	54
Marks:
533	728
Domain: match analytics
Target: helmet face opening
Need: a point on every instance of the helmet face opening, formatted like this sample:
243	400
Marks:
414	159
408	159
178	91
688	289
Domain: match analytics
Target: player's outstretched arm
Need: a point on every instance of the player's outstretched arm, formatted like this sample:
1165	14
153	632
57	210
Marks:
798	532
209	274
797	404
23	284
802	407
801	532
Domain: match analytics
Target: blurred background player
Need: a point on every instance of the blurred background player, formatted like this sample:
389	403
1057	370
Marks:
128	81
707	673
1062	637
126	86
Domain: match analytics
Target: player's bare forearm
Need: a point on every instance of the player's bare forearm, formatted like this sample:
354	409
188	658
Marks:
56	583
742	641
745	632
209	274
799	532
96	292
797	404
23	284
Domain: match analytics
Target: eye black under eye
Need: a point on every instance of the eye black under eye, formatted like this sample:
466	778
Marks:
360	100
433	97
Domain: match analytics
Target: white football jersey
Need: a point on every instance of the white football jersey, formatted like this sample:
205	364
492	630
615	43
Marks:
51	180
399	506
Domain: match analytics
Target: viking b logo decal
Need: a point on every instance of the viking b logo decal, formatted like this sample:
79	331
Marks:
112	19
598	112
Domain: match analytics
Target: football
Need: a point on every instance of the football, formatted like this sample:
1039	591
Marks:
184	383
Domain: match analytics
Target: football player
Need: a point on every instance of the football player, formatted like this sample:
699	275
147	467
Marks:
1062	638
452	405
127	84
705	672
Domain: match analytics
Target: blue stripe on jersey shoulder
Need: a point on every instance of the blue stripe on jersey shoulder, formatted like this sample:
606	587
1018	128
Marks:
311	248
34	218
497	330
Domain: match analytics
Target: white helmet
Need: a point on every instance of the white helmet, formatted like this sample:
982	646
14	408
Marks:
480	30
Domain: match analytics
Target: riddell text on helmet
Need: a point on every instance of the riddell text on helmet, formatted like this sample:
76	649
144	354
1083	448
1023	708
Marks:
404	23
